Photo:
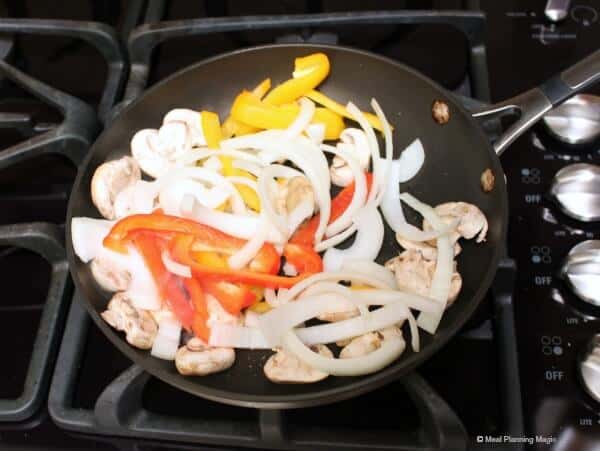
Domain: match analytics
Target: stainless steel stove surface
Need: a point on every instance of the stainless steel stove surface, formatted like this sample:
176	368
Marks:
468	396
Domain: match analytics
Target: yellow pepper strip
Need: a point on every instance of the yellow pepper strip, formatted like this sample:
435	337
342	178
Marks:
260	307
249	110
340	109
211	128
309	72
250	197
358	287
231	127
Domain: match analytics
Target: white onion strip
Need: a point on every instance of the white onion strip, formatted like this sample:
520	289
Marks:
371	269
442	277
366	245
175	268
389	151
249	250
372	139
307	111
389	351
265	180
360	191
248	166
336	239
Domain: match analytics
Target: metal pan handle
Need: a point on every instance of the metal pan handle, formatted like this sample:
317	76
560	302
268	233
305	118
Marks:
533	104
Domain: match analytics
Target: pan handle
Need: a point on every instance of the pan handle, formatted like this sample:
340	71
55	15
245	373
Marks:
533	104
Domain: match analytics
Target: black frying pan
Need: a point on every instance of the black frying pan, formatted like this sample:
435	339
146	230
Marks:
456	155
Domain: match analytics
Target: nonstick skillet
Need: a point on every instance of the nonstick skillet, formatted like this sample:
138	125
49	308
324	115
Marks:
456	155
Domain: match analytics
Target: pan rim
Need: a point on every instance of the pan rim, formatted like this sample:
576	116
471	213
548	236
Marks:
318	397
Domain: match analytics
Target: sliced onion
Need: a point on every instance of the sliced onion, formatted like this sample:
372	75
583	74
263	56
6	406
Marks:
243	181
235	336
270	296
316	132
389	151
240	226
172	194
389	351
307	111
360	191
265	180
411	160
289	269
212	163
175	268
303	210
336	239
249	250
381	318
87	235
354	276
248	166
166	342
366	245
371	269
442	277
359	117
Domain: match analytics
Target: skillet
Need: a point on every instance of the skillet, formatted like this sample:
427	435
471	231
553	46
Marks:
456	155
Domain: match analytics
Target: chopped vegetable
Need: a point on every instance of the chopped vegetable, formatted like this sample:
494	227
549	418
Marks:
211	128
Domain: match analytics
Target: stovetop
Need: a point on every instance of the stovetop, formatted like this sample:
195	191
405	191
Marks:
468	395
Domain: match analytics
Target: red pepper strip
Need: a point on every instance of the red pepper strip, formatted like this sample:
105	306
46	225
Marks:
303	257
306	232
179	303
206	238
232	297
199	326
168	285
181	245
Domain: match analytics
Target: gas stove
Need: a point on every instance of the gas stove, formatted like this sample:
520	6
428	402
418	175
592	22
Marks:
520	375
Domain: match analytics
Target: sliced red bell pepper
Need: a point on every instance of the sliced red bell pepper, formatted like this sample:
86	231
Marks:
205	238
179	303
181	252
196	294
232	297
306	232
303	257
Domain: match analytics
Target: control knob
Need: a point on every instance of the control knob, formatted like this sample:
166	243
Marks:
576	190
589	368
577	121
581	271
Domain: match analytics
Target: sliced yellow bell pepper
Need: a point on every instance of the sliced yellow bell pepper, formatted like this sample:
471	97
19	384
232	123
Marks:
231	127
322	99
249	110
249	196
309	72
211	128
260	307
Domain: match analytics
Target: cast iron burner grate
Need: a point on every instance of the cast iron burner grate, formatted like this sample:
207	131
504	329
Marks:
119	412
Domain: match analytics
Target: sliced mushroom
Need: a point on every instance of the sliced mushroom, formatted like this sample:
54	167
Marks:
361	345
414	273
338	315
354	141
157	151
284	368
429	252
109	180
197	359
472	221
193	121
139	326
299	190
110	276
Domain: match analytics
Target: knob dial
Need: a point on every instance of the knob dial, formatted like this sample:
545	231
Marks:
581	271
557	10
577	121
589	368
576	190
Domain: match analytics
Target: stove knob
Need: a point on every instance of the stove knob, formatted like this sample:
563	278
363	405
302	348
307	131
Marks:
581	271
576	190
557	10
577	121
589	368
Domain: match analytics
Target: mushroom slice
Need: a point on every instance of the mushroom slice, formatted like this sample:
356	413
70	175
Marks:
109	180
335	316
354	141
414	273
197	359
110	276
193	121
472	221
428	252
285	368
299	190
361	345
139	326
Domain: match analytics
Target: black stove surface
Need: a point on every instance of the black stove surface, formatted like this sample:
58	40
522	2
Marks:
552	326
